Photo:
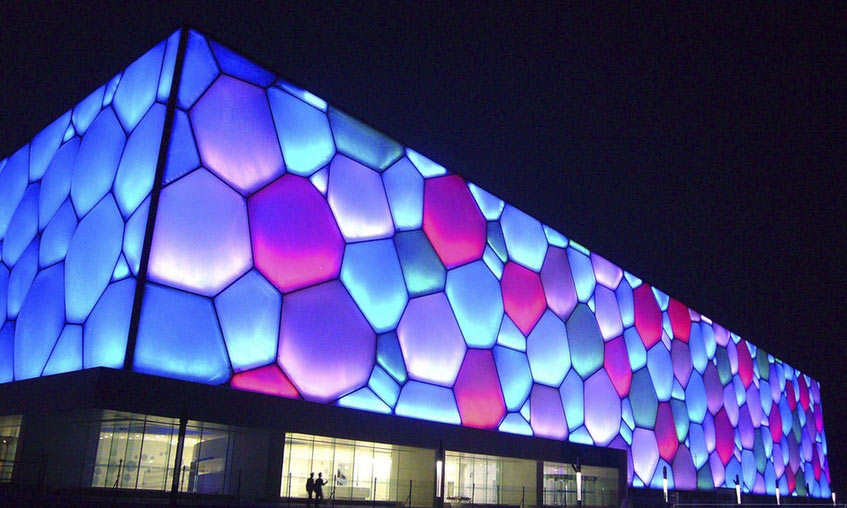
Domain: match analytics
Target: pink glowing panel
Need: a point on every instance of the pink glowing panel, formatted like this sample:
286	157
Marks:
452	221
714	389
607	312
666	437
325	358
645	454
775	424
558	282
235	134
745	363
523	296
789	395
602	408
724	436
432	345
357	198
804	389
201	242
547	417
295	240
680	320
648	317
721	334
681	359
478	392
616	363
268	379
606	272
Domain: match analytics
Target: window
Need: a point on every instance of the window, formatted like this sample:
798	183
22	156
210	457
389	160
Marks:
10	429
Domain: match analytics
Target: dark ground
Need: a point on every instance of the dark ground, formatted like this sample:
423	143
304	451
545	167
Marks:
700	147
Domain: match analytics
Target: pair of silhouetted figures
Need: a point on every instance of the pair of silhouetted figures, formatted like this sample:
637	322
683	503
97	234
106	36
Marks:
315	487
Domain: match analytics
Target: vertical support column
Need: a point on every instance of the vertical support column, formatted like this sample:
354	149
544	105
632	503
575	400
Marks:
164	146
180	445
539	483
273	475
439	476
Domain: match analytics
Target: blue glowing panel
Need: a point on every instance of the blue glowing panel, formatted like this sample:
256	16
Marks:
627	305
642	396
111	88
510	336
390	356
385	387
21	278
136	226
138	163
201	241
45	144
121	269
39	323
490	205
13	181
697	445
698	348
91	257
525	239
547	349
404	187
303	95
320	179
555	238
363	143
573	400
86	110
97	161
137	89
56	184
22	227
514	423
492	261
422	269
428	402
249	314
198	71
303	132
235	134
67	355
365	400
179	337
607	313
661	370
515	376
426	167
546	415
236	65
474	294
494	238
583	274
168	65
695	398
4	289
602	408
357	199
106	330
709	343
182	151
586	342
7	347
432	344
371	273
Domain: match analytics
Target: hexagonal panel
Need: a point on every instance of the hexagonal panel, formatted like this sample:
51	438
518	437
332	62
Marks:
548	351
371	273
602	408
523	296
474	295
546	415
478	392
452	221
432	344
357	199
586	342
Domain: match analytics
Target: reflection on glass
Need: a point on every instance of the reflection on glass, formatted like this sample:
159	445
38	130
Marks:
599	485
487	479
10	429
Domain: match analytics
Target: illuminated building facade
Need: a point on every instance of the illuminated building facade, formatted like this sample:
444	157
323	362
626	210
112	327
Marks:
199	230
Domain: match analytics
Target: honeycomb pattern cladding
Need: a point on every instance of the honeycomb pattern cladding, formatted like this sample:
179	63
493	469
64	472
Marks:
298	252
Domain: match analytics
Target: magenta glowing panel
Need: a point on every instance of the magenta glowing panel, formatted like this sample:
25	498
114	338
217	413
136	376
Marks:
268	380
523	296
478	392
452	221
296	242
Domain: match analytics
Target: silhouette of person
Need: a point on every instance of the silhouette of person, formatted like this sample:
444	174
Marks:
310	488
319	493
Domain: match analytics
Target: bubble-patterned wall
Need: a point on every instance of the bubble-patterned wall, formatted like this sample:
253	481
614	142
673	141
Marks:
300	253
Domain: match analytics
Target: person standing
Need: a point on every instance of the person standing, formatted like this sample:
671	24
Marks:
310	487
319	493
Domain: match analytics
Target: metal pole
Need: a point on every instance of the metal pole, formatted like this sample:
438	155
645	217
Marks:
410	492
238	490
180	444
373	494
288	494
523	493
473	491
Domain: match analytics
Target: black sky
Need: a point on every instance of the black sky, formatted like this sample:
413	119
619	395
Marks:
700	147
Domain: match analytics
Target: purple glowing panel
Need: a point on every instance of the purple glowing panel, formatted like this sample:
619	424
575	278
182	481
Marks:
357	198
296	242
201	242
56	183
714	389
605	272
547	350
607	312
558	282
235	134
645	453
91	258
681	359
432	344
137	89
546	414
602	408
97	161
684	473
325	358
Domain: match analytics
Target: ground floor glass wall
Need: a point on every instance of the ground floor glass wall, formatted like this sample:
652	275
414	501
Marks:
599	485
486	479
10	428
358	470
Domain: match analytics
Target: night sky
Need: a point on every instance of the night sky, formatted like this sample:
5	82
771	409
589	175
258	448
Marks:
702	149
